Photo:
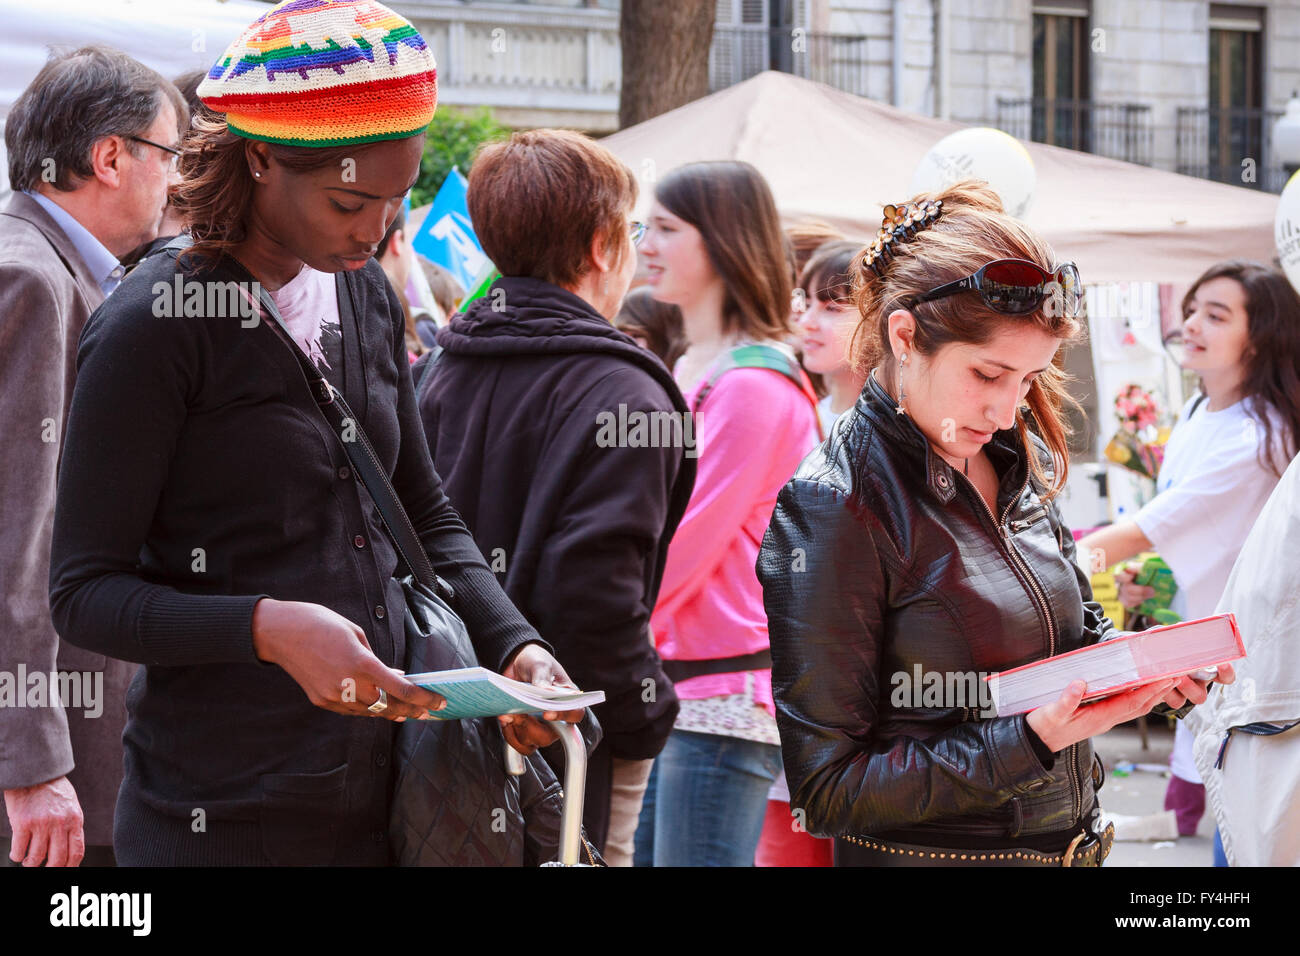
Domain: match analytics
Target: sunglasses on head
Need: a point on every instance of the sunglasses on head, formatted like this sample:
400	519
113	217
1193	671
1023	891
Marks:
1018	287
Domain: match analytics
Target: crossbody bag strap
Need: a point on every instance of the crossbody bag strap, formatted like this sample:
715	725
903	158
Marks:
360	452
758	355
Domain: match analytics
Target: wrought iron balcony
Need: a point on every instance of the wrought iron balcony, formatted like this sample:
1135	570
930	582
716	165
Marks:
843	61
1116	130
1229	145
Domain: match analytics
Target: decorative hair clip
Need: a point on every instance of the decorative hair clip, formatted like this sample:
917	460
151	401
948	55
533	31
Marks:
900	223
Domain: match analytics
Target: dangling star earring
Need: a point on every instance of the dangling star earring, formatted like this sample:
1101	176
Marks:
901	362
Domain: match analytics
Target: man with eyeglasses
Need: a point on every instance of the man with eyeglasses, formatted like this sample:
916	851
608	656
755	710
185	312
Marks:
92	148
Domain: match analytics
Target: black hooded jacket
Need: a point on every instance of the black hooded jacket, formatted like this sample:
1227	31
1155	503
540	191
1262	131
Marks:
531	413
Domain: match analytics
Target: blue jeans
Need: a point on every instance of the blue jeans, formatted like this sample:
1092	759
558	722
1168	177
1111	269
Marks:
705	802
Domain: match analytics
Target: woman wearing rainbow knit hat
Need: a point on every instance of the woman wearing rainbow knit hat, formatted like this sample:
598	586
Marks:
209	523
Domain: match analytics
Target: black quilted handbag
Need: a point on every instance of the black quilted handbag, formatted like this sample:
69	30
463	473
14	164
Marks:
454	803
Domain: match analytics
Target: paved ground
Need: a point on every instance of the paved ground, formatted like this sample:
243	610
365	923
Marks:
1142	793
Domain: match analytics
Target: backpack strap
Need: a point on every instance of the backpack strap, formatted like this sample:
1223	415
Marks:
759	355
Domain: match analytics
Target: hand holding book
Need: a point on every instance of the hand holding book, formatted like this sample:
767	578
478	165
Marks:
531	664
1067	720
1137	670
478	692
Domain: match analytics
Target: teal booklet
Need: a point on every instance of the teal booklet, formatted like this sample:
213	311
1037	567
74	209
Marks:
479	692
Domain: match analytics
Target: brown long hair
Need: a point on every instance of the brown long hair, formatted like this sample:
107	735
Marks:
972	230
1272	365
216	189
733	209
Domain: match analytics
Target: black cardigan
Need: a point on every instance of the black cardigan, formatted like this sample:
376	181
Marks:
198	476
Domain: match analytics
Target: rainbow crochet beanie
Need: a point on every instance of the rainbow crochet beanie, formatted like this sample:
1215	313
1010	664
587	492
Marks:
325	73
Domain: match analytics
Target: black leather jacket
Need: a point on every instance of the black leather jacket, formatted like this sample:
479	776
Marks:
883	565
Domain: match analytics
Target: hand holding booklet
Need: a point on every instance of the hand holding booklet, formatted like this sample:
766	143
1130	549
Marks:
479	692
1120	663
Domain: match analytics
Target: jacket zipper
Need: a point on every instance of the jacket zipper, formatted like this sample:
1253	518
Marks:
1041	600
1023	523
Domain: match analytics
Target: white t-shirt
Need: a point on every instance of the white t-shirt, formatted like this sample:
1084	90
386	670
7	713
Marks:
309	305
1211	489
827	416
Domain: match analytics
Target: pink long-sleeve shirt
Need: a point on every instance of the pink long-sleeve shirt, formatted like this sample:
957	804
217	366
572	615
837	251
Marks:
752	431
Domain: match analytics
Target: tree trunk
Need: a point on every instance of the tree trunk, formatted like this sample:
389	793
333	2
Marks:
665	56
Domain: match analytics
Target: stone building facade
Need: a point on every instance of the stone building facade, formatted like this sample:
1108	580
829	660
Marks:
1184	85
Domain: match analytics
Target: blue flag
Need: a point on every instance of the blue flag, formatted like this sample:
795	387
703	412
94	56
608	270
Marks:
446	236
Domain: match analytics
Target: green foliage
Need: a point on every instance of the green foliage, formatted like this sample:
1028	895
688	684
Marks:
453	138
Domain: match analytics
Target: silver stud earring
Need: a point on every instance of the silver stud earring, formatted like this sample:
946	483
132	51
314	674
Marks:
257	175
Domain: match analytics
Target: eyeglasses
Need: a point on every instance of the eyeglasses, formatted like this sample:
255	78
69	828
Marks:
1018	287
175	153
638	232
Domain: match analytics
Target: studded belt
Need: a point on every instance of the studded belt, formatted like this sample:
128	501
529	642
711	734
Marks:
1086	849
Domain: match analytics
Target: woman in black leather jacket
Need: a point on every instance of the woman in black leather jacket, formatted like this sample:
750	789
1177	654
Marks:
919	549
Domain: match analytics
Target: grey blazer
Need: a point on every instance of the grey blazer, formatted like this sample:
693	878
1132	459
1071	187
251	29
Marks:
46	295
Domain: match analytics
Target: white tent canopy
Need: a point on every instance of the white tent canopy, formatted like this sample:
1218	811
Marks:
835	156
171	36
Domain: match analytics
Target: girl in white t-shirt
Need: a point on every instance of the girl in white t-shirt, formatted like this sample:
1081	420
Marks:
1233	440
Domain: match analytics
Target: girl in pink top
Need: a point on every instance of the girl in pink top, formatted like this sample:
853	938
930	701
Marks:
714	248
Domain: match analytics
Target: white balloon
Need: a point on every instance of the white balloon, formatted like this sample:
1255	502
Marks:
1286	230
980	153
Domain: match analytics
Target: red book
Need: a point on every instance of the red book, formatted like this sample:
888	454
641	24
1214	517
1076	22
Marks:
1120	663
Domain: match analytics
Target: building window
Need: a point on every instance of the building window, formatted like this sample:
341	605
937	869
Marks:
1060	113
1236	116
751	36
